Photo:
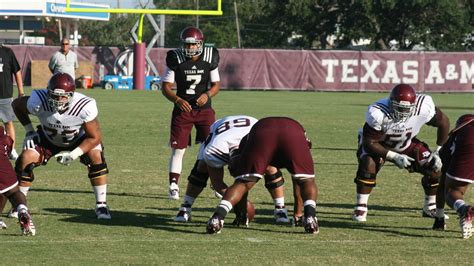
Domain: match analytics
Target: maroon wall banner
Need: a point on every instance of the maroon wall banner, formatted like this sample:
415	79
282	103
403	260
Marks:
303	70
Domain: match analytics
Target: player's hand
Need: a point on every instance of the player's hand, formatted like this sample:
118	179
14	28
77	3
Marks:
183	105
400	160
437	163
202	100
31	140
64	158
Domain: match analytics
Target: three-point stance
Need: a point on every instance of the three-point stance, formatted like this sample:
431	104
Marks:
390	133
282	143
69	129
214	154
192	68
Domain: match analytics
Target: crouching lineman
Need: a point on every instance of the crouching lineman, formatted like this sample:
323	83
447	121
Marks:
69	129
225	135
276	141
9	188
390	133
457	156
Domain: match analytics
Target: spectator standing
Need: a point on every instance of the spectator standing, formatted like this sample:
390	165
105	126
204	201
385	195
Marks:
64	60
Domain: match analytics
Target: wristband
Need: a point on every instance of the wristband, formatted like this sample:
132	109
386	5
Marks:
177	99
76	153
29	127
208	94
391	155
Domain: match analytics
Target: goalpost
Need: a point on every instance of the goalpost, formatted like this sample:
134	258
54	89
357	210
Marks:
139	47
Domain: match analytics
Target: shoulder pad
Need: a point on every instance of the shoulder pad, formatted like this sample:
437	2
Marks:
174	58
211	55
425	106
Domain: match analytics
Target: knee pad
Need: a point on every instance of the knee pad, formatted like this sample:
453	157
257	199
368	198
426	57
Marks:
197	178
364	178
429	182
274	181
26	174
97	170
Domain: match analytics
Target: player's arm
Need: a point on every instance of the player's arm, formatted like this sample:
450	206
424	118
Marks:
371	141
167	90
93	138
213	90
19	83
217	179
441	122
20	109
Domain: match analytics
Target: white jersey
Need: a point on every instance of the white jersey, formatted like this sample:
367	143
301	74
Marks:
64	129
225	135
398	135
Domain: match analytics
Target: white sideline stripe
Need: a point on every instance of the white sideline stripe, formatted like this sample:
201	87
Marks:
254	240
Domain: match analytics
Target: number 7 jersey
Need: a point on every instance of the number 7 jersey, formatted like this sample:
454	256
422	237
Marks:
64	129
397	136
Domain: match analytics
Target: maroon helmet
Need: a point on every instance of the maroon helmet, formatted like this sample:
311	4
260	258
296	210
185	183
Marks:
192	35
402	102
61	88
463	121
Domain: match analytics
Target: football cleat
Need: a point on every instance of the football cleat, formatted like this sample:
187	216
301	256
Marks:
310	224
465	221
360	214
173	191
281	215
12	213
439	224
430	211
241	221
184	215
102	212
297	221
214	225
26	223
2	225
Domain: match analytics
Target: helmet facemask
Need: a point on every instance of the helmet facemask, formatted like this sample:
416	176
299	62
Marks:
402	110
59	99
196	50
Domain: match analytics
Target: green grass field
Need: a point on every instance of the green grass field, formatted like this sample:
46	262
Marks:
135	126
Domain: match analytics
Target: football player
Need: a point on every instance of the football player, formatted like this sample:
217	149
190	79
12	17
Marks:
457	155
225	136
68	129
192	67
282	143
389	133
9	188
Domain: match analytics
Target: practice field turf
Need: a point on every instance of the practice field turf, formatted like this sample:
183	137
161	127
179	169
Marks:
135	126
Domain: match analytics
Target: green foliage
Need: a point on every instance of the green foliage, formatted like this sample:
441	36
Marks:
135	127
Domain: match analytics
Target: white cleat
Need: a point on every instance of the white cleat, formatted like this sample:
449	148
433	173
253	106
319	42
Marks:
184	215
12	213
3	225
430	211
102	212
173	191
465	222
281	216
360	214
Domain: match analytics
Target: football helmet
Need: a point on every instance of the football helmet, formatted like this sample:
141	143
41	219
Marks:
402	102
192	35
61	88
462	122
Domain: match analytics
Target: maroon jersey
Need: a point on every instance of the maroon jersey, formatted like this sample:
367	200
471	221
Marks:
458	155
7	175
276	141
192	77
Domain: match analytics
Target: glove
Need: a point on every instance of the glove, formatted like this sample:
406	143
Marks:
66	158
400	160
437	163
31	140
